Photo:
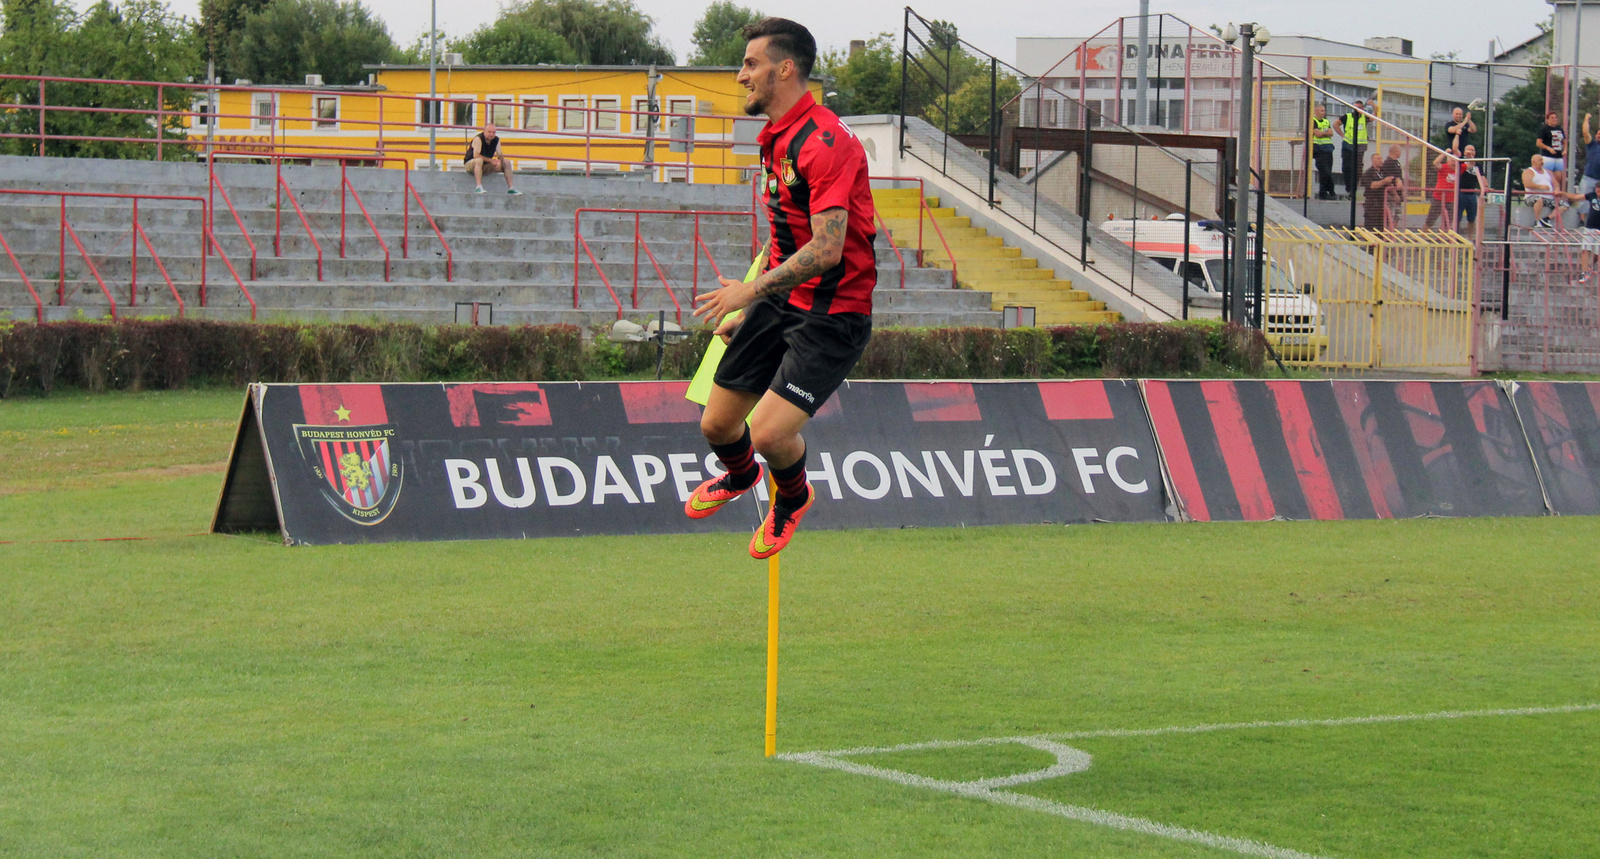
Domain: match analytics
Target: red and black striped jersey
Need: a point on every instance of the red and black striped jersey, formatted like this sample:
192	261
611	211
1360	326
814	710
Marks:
811	162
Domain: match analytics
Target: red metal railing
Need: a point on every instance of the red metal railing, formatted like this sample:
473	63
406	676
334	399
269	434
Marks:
924	214
405	250
582	244
213	185
67	230
217	246
137	233
344	185
894	247
398	130
277	216
38	303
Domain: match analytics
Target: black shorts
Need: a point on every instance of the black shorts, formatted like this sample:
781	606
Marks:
801	356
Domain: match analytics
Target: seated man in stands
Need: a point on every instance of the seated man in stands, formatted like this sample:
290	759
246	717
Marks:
484	154
1541	186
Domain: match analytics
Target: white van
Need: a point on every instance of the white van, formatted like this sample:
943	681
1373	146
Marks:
1294	322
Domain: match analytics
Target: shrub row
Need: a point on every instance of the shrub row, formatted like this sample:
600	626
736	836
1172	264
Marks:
177	353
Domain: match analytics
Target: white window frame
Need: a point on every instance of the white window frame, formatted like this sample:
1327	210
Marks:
610	112
257	122
637	122
456	99
317	122
422	107
200	110
502	102
567	103
535	105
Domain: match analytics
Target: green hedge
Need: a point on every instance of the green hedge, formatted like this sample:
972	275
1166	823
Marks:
177	353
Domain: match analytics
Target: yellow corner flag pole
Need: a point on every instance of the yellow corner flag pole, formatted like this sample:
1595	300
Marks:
700	392
772	636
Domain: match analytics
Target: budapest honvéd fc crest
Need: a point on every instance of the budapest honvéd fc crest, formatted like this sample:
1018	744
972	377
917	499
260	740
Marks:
786	171
355	466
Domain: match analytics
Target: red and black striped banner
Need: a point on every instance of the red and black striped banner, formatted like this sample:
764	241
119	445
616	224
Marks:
1562	420
1254	450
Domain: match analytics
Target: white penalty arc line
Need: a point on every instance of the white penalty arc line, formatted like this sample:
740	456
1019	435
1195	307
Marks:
1070	760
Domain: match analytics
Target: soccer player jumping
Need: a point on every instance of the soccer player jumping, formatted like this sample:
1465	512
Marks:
809	313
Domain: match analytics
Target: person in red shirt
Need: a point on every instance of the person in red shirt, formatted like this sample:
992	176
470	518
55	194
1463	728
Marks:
808	316
1444	190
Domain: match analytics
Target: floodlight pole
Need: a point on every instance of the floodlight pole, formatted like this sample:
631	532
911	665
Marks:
1241	199
433	85
772	634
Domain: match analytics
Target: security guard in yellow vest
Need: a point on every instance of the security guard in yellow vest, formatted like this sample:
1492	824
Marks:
1322	151
1353	129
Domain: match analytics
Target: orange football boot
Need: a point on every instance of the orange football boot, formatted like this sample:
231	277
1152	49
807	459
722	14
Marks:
779	526
709	497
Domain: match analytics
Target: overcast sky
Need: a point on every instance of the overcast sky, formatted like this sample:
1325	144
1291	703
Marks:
1460	25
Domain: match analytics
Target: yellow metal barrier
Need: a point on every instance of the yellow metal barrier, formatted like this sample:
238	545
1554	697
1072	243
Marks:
1380	298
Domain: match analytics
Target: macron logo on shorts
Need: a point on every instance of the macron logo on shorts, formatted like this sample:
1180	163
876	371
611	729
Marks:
802	394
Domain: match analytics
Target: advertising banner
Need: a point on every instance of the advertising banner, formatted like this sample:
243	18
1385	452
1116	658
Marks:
1255	450
1564	432
380	462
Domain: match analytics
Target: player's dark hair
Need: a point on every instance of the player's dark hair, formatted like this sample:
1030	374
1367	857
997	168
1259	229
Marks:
786	40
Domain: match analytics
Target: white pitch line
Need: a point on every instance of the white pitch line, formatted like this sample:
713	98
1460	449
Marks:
976	790
1070	760
1224	726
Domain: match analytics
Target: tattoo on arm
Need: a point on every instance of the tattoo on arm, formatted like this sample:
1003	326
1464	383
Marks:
817	256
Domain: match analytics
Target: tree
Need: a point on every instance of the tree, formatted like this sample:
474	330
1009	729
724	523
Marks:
867	82
870	81
221	25
600	32
970	104
140	40
292	38
513	41
717	37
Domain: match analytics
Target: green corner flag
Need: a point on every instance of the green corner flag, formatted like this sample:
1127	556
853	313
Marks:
700	387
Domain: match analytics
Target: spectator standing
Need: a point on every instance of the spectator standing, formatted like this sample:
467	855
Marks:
1460	131
1445	189
483	154
1394	193
1322	151
1377	185
1552	144
1469	187
1591	160
1541	188
1352	128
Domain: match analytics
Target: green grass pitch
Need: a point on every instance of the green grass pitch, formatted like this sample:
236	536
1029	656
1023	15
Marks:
225	696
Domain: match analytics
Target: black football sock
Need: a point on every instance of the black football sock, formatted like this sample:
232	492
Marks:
791	480
739	458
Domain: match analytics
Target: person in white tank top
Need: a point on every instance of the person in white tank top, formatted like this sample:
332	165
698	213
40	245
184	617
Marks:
1541	188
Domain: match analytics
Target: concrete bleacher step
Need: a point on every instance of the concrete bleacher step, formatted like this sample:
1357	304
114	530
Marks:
515	251
985	263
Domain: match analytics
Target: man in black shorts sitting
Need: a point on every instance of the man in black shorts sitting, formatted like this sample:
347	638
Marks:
483	153
808	316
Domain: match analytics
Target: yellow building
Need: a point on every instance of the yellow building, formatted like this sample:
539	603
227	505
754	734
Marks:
566	119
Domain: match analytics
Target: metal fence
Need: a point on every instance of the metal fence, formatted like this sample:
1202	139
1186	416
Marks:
1371	299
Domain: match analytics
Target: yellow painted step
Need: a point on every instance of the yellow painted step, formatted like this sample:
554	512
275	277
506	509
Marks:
1041	306
986	263
999	276
1028	296
1076	317
945	224
912	212
966	252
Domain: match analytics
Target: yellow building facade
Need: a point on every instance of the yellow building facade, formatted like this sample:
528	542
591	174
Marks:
562	119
